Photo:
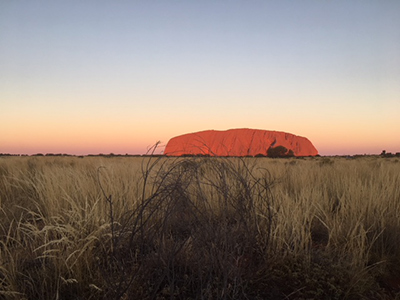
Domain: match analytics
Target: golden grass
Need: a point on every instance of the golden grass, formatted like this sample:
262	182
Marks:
216	228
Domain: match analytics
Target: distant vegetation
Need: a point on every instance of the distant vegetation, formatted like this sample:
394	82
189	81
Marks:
279	151
199	228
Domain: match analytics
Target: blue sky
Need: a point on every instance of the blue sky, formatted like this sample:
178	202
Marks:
117	76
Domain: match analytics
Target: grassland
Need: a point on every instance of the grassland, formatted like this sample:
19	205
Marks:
199	228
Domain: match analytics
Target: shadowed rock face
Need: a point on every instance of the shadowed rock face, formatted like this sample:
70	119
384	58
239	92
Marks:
238	142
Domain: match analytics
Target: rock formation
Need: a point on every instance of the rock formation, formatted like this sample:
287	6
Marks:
240	142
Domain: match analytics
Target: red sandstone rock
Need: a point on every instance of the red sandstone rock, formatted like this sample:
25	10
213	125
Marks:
237	142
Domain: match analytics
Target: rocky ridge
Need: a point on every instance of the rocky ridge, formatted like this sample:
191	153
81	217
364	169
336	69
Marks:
240	142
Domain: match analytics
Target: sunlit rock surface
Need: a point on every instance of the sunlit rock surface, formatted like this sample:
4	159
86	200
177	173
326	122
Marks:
238	142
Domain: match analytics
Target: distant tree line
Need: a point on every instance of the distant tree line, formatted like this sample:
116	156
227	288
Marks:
389	154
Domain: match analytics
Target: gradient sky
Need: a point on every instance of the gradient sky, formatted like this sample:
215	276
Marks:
84	77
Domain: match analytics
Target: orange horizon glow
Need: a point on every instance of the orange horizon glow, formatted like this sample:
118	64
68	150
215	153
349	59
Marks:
83	140
124	144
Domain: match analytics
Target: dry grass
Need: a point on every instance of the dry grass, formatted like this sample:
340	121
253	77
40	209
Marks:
199	228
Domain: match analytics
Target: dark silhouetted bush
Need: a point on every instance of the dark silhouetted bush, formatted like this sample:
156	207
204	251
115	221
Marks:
279	151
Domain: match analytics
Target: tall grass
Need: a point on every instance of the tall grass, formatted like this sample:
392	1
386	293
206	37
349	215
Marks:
199	228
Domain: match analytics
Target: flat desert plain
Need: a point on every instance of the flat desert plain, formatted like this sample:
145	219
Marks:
199	228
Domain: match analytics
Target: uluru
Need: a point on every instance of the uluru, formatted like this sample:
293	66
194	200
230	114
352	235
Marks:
240	142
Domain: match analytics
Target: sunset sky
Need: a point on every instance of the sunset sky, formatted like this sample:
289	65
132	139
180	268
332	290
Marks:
84	77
